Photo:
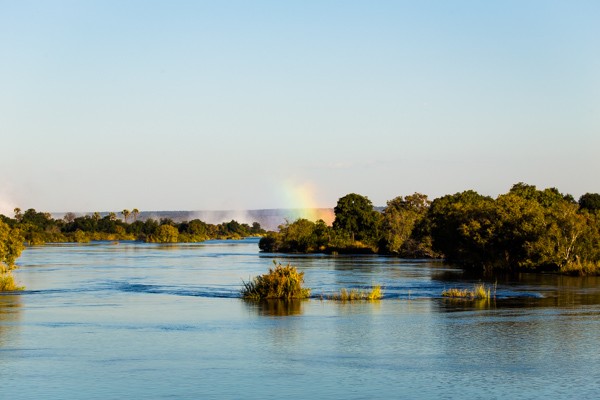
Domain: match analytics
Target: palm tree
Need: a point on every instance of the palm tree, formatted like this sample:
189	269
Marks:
135	213
125	214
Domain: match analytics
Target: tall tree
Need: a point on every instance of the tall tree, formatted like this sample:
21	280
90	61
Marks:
125	213
590	201
18	214
354	215
399	220
69	217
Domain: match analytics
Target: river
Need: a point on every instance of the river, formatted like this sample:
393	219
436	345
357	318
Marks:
133	320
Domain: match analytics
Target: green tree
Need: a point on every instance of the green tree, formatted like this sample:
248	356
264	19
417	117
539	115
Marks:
165	234
11	246
462	227
590	201
125	214
354	216
299	236
399	219
519	224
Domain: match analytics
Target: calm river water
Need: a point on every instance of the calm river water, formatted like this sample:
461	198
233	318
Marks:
133	320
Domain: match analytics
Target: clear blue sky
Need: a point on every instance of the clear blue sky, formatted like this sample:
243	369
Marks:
164	105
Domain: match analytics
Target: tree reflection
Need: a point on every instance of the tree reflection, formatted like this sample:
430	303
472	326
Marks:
10	313
518	290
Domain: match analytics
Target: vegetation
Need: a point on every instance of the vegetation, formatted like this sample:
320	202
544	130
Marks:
39	228
284	283
525	229
354	294
11	246
479	292
7	283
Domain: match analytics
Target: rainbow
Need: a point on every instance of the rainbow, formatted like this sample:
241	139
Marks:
300	198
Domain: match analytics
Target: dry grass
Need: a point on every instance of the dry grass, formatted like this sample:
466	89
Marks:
479	292
354	294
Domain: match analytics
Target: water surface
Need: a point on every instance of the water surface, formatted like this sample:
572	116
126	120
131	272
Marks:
108	321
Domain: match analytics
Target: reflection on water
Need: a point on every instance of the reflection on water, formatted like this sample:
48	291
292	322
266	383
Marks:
139	320
529	289
10	313
276	308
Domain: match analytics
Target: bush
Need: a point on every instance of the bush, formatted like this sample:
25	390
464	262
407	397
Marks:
164	234
280	283
7	283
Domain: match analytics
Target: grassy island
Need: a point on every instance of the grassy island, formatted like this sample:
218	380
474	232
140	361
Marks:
281	282
479	292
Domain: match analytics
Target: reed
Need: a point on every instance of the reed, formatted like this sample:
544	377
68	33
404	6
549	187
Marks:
479	292
281	282
354	294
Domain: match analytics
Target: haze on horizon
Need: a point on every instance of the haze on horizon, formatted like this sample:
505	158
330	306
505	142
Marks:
234	105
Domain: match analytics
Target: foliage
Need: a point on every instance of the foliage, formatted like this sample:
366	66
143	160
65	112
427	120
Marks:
523	229
460	227
300	236
7	282
279	283
11	246
355	217
590	202
164	234
38	228
402	223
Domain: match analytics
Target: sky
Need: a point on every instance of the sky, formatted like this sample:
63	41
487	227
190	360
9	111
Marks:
224	105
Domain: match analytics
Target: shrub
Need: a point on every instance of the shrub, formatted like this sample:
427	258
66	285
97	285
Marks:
164	234
582	268
280	283
7	283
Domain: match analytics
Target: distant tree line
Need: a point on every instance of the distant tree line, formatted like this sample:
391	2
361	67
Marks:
39	227
525	229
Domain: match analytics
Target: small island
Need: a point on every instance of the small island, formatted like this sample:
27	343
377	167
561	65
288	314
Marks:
526	229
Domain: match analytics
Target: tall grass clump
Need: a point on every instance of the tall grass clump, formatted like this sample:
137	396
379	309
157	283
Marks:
479	292
354	294
7	283
282	282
